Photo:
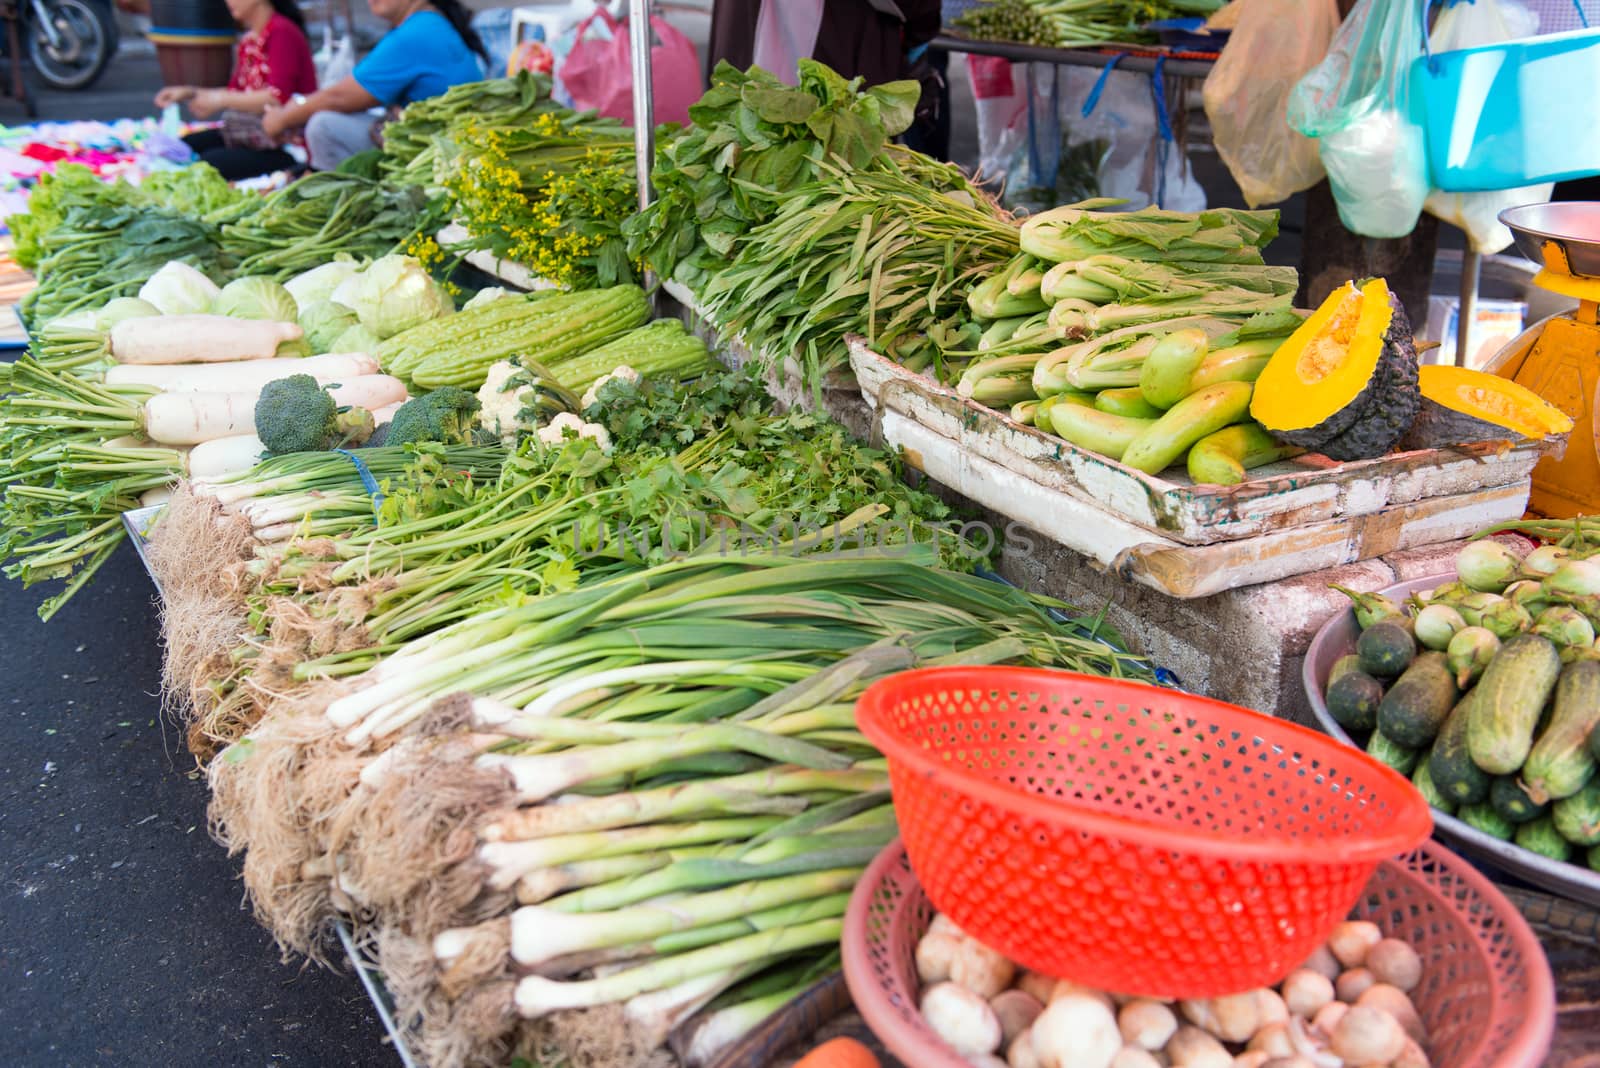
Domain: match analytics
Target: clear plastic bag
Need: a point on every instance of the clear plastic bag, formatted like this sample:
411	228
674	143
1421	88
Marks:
1356	104
1275	43
1468	25
336	59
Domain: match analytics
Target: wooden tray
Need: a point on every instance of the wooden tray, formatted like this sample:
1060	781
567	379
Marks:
1186	540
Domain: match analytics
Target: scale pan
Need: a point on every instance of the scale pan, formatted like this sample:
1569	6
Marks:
1573	227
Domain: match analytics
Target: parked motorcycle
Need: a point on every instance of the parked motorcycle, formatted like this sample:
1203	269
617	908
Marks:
70	42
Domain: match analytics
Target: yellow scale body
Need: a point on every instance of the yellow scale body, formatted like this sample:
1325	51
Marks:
1563	367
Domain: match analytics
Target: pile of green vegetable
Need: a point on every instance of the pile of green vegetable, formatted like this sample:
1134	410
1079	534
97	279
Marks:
1486	691
90	241
751	143
1075	23
1136	335
310	221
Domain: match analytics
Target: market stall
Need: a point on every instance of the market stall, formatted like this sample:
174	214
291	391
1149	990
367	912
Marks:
529	645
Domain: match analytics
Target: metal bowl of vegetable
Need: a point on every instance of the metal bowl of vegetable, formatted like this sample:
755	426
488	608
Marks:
1336	639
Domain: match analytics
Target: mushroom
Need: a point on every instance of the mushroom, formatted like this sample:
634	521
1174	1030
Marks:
1366	1035
1396	963
1146	1023
1305	991
1076	1031
961	1018
1351	940
980	969
1016	1012
1353	983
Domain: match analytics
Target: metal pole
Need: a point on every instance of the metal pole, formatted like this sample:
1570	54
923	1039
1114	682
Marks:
644	110
1468	310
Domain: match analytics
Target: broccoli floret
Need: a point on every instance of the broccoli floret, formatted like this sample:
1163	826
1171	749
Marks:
443	415
295	414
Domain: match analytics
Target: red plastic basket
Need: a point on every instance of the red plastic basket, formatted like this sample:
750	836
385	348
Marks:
1486	995
1143	840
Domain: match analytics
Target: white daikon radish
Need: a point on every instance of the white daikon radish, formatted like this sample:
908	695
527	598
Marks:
240	375
224	456
1076	1031
369	391
384	415
962	1019
198	339
190	418
152	497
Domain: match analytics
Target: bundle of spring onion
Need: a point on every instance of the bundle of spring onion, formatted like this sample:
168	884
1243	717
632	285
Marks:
680	733
1074	23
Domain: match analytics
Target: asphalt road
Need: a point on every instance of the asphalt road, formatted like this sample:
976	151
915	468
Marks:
124	938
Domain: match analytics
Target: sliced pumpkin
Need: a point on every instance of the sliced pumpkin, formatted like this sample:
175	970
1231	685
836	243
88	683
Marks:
1345	383
1461	406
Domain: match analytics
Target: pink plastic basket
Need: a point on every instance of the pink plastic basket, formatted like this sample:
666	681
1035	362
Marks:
1486	995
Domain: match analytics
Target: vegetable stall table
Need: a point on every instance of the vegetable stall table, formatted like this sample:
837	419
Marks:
1142	59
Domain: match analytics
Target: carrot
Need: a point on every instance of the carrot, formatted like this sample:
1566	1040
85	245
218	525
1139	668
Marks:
839	1053
240	375
164	339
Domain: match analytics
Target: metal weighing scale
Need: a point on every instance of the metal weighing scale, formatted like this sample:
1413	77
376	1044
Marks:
1559	357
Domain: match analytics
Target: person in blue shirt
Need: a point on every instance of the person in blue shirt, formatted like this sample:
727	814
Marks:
432	47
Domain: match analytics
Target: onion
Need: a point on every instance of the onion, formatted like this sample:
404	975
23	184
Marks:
961	1018
1328	1017
1436	624
1146	1023
1323	962
980	969
1393	1000
1306	991
1368	1036
1273	1040
1016	1012
1487	565
1353	983
1076	1031
1192	1047
935	953
1351	939
1396	963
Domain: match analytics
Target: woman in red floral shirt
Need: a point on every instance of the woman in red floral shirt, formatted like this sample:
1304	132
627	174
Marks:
273	65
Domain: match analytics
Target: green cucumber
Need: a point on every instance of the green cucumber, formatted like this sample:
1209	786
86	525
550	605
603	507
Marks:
1417	705
1578	817
1510	696
1392	754
1128	401
1343	666
1243	362
1512	801
1221	459
1164	375
1560	762
1483	817
1089	428
1422	779
1201	413
1451	766
1540	836
1353	700
1386	649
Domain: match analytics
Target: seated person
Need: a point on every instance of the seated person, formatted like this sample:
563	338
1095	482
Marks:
431	48
273	64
